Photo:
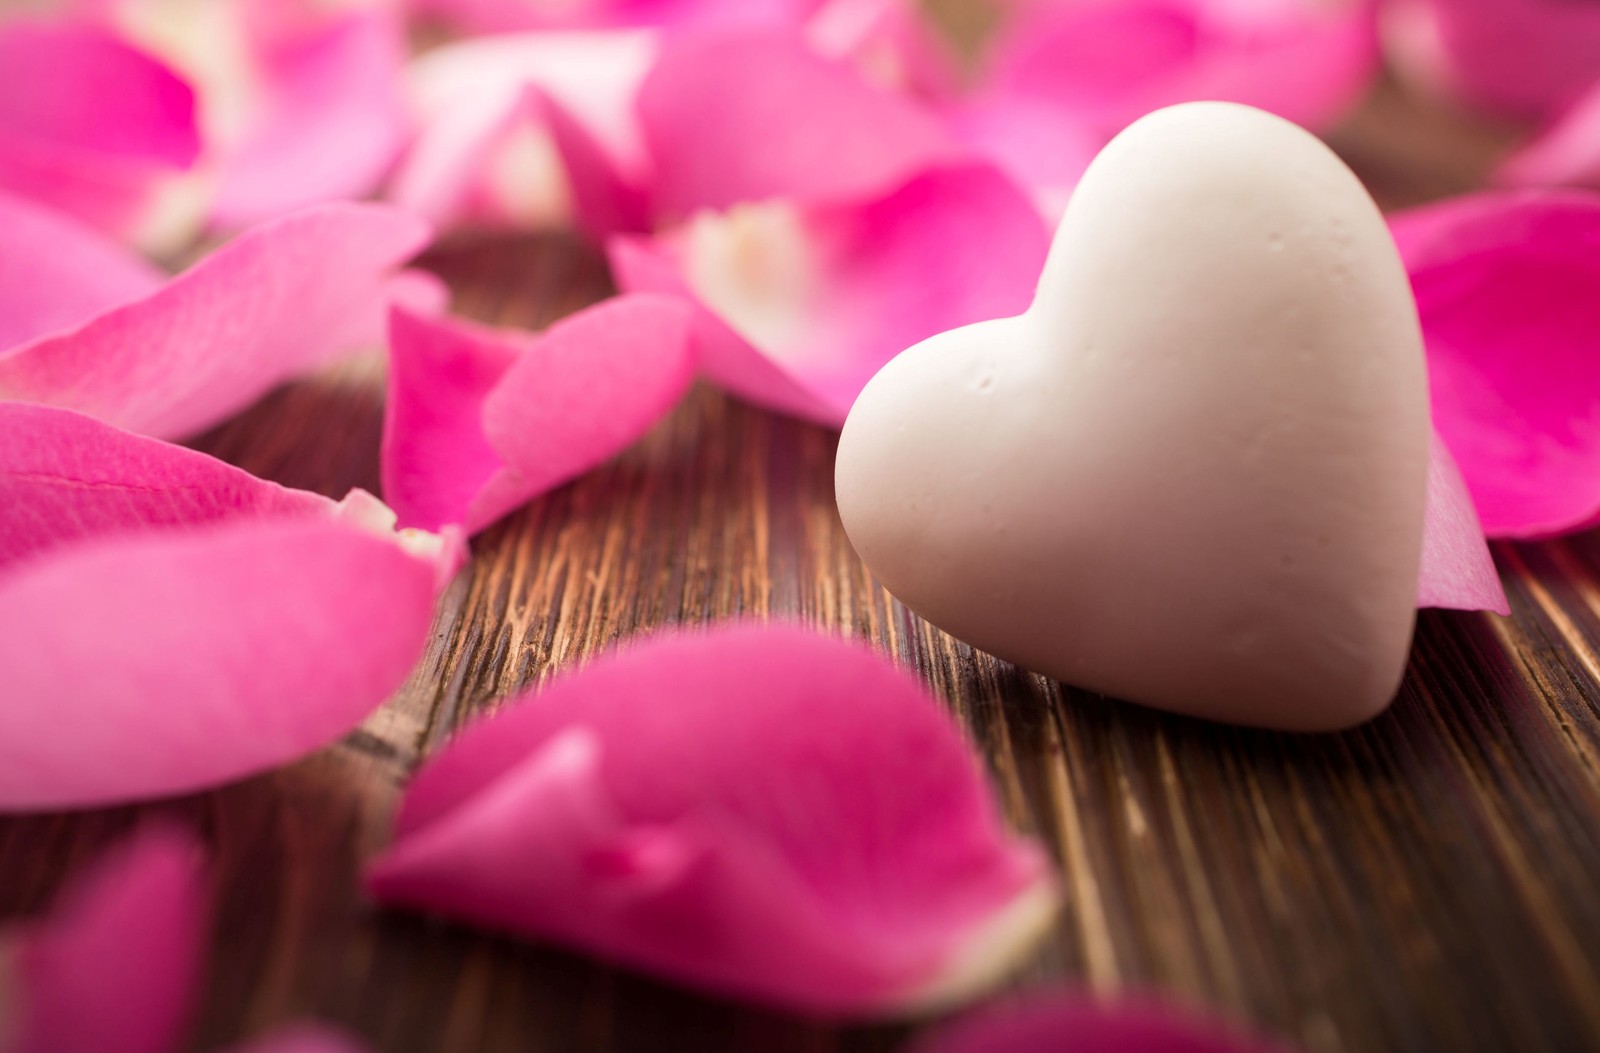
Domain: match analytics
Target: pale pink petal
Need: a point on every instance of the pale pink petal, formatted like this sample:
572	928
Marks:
758	811
93	127
1064	78
645	266
757	114
1516	58
820	298
529	131
890	41
276	302
1042	148
328	122
1069	1022
115	964
1457	569
301	1038
185	659
55	272
1112	61
1508	289
479	420
499	16
1566	154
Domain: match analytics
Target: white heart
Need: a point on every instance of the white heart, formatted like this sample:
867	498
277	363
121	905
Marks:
1192	475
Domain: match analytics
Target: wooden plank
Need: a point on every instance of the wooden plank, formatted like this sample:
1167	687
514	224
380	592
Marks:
1425	882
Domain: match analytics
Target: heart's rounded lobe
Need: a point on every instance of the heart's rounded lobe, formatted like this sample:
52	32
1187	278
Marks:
1193	474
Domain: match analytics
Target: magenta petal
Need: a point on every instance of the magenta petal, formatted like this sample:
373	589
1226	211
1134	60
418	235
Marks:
328	121
1508	289
65	477
813	301
479	421
1457	569
91	126
276	302
529	131
761	812
1566	154
1517	58
115	964
1070	1023
55	272
824	133
726	358
188	659
1111	61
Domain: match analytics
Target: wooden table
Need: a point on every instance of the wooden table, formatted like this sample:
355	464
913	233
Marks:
1426	882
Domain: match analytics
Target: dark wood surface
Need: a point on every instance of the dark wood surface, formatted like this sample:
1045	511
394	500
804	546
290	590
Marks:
1426	882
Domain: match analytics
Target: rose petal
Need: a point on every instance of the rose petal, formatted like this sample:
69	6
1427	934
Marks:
499	16
96	129
1064	78
1070	1023
300	99
1457	569
330	123
276	302
761	812
1508	289
829	294
529	131
1566	154
479	421
114	965
1516	58
890	41
1112	61
65	477
186	659
826	135
302	1038
55	272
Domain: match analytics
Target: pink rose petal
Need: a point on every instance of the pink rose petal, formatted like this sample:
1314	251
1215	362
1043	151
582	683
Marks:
276	302
1064	78
829	294
185	659
529	131
94	128
1457	569
55	272
114	965
479	420
826	135
300	100
1516	58
1566	154
66	477
330	118
498	16
1508	289
890	41
1070	1023
761	812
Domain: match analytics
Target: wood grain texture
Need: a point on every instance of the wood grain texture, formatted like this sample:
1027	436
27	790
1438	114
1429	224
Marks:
1426	882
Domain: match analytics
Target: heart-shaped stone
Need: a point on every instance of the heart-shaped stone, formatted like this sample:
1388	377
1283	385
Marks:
1192	475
